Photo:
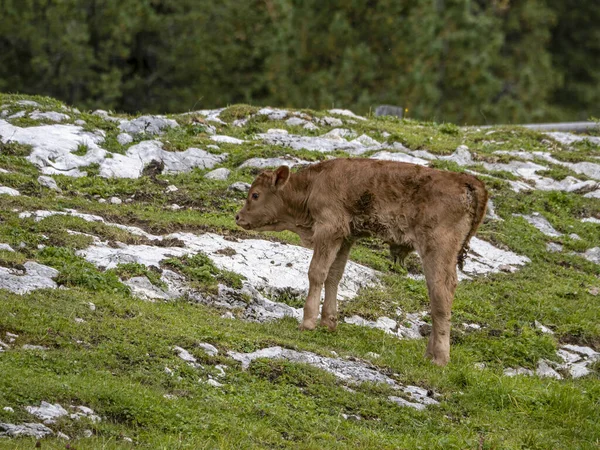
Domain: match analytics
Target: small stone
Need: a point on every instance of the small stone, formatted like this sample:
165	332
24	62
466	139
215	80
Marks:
124	138
579	370
48	182
542	328
6	247
9	191
79	320
175	207
92	306
591	220
80	122
147	125
295	122
8	409
50	115
594	291
310	126
87	433
63	436
574	236
372	355
102	200
227	315
221	369
115	200
554	247
331	122
544	370
210	350
226	139
510	372
218	174
239	186
171	188
127	439
34	347
185	355
351	417
168	371
214	383
479	366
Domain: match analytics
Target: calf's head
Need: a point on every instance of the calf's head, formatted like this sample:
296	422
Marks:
265	207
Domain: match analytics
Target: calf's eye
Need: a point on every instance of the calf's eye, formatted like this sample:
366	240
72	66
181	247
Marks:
255	196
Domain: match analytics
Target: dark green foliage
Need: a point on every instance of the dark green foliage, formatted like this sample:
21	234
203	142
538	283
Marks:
462	61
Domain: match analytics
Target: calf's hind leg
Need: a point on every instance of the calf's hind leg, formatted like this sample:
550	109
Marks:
329	312
440	272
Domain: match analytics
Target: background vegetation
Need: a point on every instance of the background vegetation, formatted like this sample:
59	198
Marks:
463	61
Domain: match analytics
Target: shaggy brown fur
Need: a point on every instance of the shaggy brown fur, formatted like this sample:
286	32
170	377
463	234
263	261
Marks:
331	204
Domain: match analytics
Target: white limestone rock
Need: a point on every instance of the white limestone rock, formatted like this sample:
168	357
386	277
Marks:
590	220
541	223
50	115
510	372
147	124
36	276
209	349
263	163
347	113
218	174
330	121
239	186
400	157
544	370
142	288
4	190
593	255
48	182
570	138
226	139
47	412
132	163
351	372
36	430
124	139
296	122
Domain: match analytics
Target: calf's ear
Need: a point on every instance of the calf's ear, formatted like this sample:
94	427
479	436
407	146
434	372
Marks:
281	176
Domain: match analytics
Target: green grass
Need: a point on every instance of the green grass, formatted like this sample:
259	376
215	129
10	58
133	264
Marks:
114	361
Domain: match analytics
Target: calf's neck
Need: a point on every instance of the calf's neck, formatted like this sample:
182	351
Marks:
413	208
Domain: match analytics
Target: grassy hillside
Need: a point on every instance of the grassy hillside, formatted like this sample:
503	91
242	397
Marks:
104	347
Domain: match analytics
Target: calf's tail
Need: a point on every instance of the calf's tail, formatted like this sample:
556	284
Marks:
478	195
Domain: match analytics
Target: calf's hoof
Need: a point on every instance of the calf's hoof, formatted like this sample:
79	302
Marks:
307	325
438	358
329	322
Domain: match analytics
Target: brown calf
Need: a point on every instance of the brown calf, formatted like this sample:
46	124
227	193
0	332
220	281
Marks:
331	204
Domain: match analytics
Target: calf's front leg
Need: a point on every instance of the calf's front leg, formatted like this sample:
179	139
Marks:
336	271
326	249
